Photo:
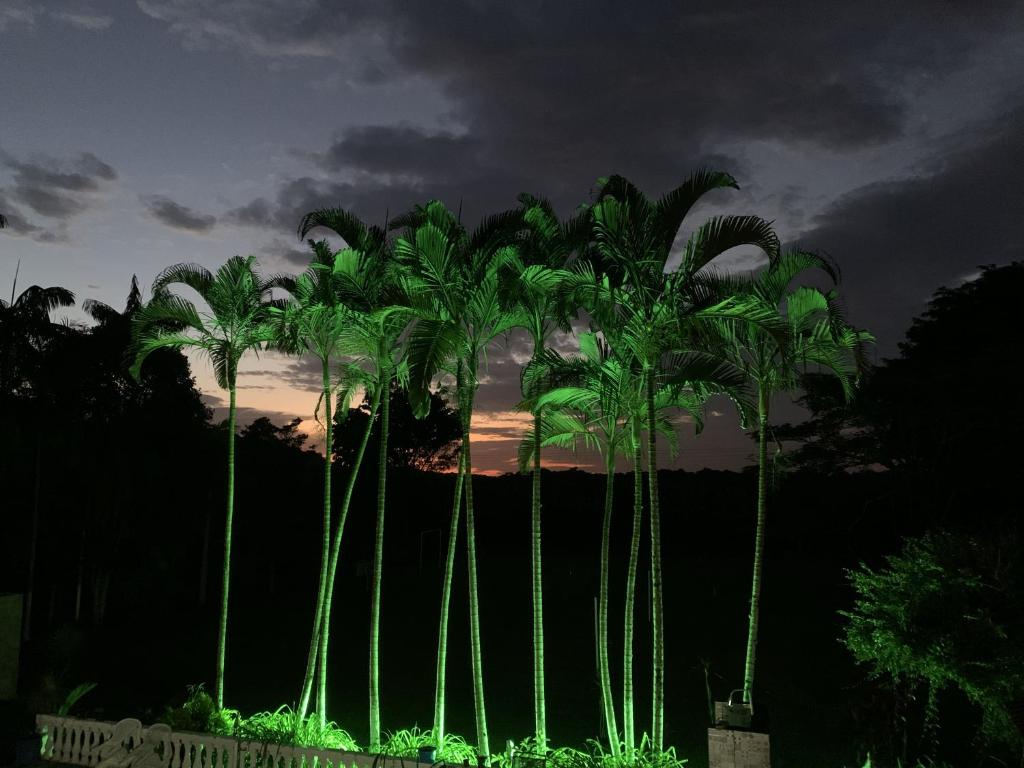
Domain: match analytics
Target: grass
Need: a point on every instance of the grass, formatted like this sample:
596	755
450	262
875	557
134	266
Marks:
284	726
453	749
527	754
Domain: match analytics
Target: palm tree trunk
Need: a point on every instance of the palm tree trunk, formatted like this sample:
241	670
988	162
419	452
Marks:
657	628
325	624
540	729
378	556
602	612
446	595
634	558
325	552
755	589
223	631
483	747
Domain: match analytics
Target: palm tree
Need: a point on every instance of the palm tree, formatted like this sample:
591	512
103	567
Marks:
314	322
657	313
25	332
600	398
582	399
238	298
25	329
369	284
545	248
452	282
818	336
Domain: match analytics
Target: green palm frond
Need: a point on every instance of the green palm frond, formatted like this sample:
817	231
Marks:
721	233
195	276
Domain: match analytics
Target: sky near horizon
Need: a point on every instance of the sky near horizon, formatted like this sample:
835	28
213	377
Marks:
134	135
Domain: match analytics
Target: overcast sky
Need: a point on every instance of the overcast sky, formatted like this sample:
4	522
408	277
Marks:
134	135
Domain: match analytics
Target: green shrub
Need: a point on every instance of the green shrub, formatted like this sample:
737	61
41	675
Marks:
284	726
199	714
453	749
527	754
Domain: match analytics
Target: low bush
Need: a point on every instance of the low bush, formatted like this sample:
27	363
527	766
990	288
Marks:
199	714
284	726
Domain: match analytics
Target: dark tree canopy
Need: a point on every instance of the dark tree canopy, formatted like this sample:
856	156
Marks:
263	430
430	444
939	413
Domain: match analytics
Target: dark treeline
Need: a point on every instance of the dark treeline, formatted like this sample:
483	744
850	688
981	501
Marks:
113	494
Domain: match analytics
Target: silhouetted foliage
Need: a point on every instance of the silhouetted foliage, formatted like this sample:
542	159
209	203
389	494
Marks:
264	430
430	444
941	414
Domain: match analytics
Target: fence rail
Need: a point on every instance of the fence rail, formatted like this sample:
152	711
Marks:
130	744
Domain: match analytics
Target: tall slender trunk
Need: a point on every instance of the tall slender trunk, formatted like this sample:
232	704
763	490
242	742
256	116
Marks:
26	635
539	725
602	611
755	588
657	625
325	628
222	634
483	746
634	559
325	552
378	557
446	596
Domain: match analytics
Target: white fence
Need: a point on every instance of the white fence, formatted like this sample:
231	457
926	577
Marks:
129	744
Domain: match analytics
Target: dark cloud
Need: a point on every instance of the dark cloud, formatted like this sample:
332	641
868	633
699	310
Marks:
56	188
609	85
259	213
291	254
404	151
178	216
899	240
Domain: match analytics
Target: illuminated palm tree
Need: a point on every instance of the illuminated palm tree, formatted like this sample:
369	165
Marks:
545	248
657	313
817	337
368	282
452	283
238	299
314	322
584	399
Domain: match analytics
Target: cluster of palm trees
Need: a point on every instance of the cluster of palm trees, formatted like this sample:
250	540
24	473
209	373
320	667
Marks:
421	300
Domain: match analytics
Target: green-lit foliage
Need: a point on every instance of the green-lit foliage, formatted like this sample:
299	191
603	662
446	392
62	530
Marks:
665	321
451	748
366	279
74	695
452	283
314	322
526	755
285	726
545	247
238	299
937	615
816	337
199	714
